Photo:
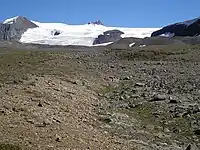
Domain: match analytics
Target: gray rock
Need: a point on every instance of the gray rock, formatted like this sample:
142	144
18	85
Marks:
41	125
14	30
192	147
159	97
127	78
40	105
108	36
58	138
55	32
166	130
140	84
122	98
127	96
122	105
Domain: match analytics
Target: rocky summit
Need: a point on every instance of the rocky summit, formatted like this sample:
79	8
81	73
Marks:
13	29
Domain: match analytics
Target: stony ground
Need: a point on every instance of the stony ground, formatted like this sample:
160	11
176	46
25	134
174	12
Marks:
139	99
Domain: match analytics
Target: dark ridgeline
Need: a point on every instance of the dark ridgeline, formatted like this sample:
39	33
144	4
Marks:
186	28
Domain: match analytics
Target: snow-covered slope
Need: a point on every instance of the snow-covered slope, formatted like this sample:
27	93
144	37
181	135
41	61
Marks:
73	34
10	20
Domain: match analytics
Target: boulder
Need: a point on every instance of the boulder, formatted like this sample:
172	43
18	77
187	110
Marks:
158	97
186	28
108	36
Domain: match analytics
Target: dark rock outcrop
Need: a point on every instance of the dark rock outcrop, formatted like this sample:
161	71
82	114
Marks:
4	31
55	32
186	28
14	29
108	36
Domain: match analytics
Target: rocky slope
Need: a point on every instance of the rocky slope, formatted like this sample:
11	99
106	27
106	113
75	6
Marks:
127	43
13	29
96	98
186	28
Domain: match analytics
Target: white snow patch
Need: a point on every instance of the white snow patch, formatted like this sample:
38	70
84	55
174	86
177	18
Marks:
130	45
168	34
10	20
142	45
104	44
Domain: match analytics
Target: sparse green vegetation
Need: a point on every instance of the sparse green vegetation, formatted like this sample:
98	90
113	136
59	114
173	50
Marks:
182	125
16	65
157	53
4	146
112	91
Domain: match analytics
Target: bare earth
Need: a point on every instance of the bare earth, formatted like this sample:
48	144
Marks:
86	98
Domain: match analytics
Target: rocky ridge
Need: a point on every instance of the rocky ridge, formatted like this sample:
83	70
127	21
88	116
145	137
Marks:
186	28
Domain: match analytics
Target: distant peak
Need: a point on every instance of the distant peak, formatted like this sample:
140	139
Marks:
98	22
15	19
20	20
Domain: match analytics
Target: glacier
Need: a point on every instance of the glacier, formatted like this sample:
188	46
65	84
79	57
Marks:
83	35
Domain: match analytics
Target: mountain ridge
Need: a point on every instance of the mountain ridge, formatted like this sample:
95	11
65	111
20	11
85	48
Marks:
186	28
22	29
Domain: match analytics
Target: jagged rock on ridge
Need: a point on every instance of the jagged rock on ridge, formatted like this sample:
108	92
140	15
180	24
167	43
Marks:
98	22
